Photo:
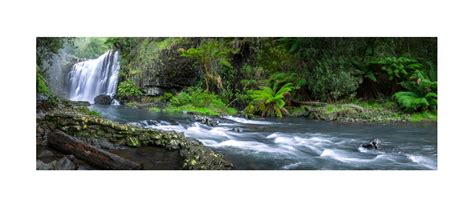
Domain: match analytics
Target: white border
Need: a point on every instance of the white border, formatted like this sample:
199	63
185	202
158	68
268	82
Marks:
22	21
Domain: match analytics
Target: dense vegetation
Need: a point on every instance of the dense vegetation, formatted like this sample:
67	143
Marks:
273	77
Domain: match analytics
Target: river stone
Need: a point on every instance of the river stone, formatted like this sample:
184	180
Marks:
79	103
373	144
237	129
65	163
133	142
103	99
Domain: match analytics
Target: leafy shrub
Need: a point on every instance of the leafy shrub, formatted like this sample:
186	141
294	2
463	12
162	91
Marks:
41	85
199	101
167	96
88	111
380	76
421	94
330	81
212	55
128	88
286	77
394	67
268	101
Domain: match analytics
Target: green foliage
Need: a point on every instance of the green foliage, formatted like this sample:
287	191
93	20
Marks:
421	94
274	57
128	88
167	96
394	67
47	46
212	55
88	111
268	101
278	78
329	80
90	48
423	117
41	85
410	101
198	101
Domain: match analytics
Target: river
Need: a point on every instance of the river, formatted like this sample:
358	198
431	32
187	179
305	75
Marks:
297	143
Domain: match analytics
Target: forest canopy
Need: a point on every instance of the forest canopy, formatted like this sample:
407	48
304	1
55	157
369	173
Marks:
265	76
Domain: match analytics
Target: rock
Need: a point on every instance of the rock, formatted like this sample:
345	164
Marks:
46	153
355	107
103	99
133	142
113	136
40	165
41	97
237	129
373	144
153	90
79	103
100	143
145	123
65	163
170	71
39	131
206	120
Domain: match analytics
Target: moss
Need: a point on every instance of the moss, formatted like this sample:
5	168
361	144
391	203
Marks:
74	121
133	142
41	86
211	111
89	112
133	104
196	100
423	117
357	111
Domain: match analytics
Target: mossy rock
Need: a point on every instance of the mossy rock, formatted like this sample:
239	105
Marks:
133	142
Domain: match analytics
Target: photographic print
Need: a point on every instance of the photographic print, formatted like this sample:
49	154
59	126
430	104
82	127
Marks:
236	103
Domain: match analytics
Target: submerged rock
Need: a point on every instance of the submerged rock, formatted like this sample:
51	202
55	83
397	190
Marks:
373	144
237	129
103	99
206	120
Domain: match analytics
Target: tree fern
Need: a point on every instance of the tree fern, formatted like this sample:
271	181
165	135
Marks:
421	94
268	101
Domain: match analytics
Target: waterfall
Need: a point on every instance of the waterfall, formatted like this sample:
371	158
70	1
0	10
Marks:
91	78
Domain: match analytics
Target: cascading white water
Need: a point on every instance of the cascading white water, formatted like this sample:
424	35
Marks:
91	78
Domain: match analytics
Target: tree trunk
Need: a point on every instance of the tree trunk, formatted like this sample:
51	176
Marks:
90	154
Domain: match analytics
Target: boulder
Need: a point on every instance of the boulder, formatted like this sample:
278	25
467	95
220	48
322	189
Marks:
206	120
237	129
65	163
41	97
153	91
373	144
79	103
103	99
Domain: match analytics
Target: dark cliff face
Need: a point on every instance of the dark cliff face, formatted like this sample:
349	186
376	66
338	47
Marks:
167	71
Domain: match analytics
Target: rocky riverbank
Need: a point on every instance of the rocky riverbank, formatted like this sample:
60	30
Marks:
381	112
76	120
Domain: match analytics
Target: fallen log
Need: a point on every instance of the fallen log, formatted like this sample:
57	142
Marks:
90	154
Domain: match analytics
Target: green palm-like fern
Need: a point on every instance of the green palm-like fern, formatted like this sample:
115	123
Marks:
421	93
268	101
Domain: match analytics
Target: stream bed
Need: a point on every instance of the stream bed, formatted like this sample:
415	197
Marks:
298	143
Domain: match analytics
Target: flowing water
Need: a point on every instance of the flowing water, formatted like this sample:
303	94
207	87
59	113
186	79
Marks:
299	143
91	78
